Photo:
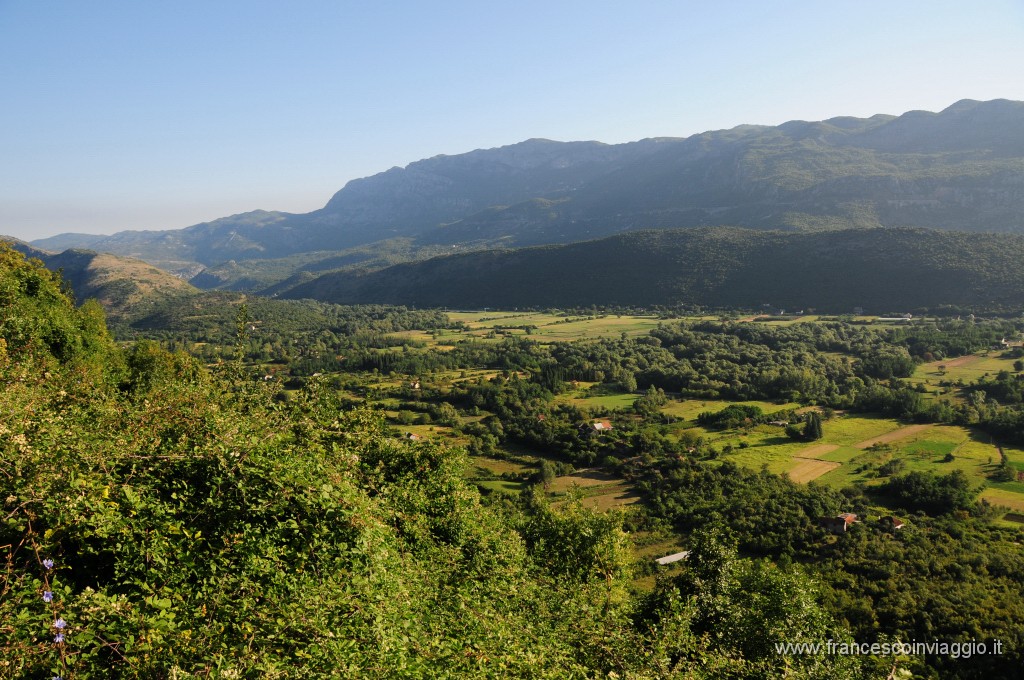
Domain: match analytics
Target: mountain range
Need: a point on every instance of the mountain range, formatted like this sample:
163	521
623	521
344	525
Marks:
766	205
961	168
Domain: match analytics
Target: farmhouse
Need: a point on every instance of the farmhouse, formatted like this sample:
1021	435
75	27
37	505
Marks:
838	524
596	427
892	523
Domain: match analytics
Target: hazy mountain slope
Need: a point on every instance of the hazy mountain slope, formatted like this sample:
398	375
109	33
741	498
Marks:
408	201
397	203
61	242
962	168
273	275
122	285
248	235
878	269
959	169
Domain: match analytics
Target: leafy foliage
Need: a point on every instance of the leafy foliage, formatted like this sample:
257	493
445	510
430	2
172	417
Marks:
164	521
931	493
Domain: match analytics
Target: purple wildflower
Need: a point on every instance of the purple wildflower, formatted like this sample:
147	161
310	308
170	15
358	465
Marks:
61	624
47	596
58	638
48	563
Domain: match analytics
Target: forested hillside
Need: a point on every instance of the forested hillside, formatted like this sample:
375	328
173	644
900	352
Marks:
879	270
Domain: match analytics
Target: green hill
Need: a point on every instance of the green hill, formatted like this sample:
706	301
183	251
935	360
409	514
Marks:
122	285
880	270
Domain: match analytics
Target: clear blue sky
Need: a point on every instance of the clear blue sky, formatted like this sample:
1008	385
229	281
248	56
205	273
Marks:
154	115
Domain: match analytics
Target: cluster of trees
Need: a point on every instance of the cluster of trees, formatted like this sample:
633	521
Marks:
933	494
944	576
732	417
299	332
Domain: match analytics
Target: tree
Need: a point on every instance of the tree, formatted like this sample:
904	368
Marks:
812	431
742	609
546	475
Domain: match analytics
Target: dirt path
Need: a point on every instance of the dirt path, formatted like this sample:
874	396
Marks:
893	436
809	469
812	452
961	361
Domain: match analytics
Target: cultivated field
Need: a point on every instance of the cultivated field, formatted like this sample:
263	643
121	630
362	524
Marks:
595	488
968	368
854	448
807	470
553	327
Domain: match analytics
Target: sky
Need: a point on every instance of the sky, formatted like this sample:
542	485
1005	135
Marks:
120	115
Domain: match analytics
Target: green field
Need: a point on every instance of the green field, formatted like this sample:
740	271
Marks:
968	369
601	402
501	486
791	321
484	466
845	430
996	495
926	450
596	489
689	409
551	327
845	455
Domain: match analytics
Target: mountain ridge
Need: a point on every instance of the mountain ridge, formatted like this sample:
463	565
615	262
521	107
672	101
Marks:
960	168
879	270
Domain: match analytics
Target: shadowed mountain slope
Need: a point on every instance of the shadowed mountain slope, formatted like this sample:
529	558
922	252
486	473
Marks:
880	270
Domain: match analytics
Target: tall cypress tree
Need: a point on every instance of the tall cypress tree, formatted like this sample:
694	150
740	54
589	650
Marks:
812	431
